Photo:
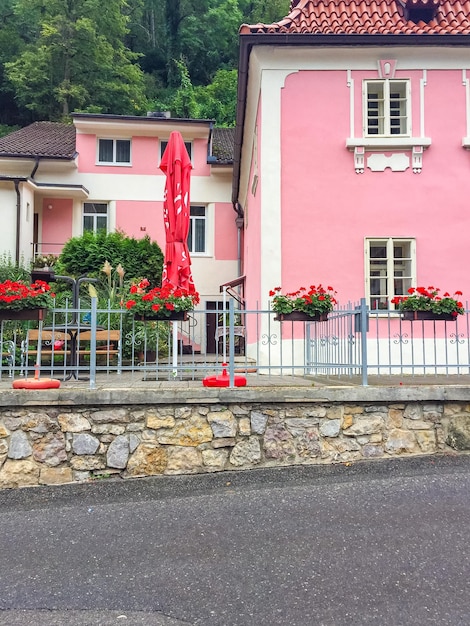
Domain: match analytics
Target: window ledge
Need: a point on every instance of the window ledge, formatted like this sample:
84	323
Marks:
389	143
397	162
466	143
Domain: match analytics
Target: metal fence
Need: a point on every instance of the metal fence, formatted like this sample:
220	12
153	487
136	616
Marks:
88	343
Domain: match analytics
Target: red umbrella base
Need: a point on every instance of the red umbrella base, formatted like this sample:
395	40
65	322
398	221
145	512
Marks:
223	380
36	383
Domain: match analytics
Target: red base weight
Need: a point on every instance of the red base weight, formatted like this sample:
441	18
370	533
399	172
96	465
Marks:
36	383
223	380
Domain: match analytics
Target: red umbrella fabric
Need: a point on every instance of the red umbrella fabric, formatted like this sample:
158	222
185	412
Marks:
176	164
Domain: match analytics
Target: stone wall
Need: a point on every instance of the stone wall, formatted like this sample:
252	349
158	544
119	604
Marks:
52	444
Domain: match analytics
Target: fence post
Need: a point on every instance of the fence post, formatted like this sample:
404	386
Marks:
231	343
93	323
363	330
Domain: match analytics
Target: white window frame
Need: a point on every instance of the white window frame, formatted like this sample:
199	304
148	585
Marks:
188	144
94	216
192	230
387	113
114	161
380	298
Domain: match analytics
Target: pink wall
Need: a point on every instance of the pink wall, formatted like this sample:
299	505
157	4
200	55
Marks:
252	234
328	209
56	224
225	245
138	219
145	157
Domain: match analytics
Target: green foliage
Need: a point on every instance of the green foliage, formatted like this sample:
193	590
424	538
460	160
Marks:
218	101
78	59
9	270
59	56
88	253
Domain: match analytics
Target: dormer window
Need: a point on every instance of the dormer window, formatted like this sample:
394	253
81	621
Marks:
420	10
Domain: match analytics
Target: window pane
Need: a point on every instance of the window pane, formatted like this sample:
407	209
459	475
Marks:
105	151
375	109
123	151
101	222
198	211
398	110
88	222
200	236
92	207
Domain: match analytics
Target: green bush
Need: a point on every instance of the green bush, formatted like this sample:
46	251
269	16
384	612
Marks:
88	253
9	270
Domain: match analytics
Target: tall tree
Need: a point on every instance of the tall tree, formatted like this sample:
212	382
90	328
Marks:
78	60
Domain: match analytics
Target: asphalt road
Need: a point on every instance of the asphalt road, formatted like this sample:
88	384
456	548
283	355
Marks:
378	543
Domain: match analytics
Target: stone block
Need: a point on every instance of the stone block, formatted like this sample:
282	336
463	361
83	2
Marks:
19	473
223	423
400	441
188	432
83	443
246	452
183	460
73	423
458	432
20	447
147	460
55	476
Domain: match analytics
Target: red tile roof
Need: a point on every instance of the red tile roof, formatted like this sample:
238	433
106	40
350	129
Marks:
370	17
41	139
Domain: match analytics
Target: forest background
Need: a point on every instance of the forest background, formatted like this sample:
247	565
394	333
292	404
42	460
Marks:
123	57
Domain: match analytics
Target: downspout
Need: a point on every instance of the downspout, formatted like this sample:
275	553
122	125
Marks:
18	220
239	220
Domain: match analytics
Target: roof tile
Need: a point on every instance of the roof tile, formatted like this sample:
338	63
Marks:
41	139
369	17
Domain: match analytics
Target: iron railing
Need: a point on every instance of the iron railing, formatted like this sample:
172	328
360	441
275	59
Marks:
87	342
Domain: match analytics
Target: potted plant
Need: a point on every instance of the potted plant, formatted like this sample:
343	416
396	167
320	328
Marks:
22	301
311	305
160	303
427	304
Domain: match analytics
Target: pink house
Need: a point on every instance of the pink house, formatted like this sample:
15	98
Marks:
59	180
352	163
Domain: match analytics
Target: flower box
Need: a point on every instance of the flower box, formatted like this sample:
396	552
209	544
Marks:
23	314
300	316
304	305
160	303
426	304
174	316
413	316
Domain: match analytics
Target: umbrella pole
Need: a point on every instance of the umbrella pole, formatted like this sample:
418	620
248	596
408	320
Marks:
175	348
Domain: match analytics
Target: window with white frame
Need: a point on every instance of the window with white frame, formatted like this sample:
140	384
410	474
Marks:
387	108
197	229
188	145
390	270
95	216
114	151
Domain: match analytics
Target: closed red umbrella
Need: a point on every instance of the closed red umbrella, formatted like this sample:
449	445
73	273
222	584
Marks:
176	164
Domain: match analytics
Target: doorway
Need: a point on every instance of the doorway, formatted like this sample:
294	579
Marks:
211	325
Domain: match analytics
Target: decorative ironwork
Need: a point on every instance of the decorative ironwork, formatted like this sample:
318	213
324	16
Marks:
456	340
400	338
269	339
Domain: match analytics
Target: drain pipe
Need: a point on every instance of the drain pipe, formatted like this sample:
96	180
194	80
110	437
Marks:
18	220
239	223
